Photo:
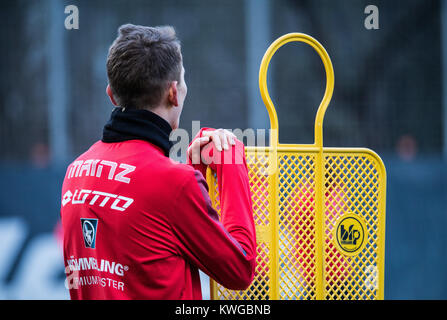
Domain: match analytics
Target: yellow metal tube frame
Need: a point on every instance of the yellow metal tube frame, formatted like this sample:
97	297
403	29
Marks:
334	267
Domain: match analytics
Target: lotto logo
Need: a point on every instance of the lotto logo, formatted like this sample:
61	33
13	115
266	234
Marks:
120	203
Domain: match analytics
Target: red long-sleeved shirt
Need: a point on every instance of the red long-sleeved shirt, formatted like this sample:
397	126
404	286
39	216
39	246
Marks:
138	225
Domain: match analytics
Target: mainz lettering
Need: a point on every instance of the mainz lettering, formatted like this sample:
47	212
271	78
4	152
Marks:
120	203
95	168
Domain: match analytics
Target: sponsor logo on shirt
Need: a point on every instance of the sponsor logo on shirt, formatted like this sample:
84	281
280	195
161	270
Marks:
89	227
90	263
99	198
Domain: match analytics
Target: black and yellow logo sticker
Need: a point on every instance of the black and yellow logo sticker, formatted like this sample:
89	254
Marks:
350	234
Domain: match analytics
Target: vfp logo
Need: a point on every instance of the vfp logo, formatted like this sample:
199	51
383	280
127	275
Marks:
89	227
350	234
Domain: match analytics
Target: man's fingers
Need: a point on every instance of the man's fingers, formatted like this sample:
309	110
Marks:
194	149
203	141
216	139
221	138
194	152
207	133
198	143
231	137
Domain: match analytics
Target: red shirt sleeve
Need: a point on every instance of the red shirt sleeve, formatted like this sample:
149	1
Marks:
226	249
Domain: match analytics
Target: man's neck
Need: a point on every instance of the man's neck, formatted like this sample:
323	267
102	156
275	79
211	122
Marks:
163	112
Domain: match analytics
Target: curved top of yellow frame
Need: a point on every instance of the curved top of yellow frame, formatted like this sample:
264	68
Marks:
300	37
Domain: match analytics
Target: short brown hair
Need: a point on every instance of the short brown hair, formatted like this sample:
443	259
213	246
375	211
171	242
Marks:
142	61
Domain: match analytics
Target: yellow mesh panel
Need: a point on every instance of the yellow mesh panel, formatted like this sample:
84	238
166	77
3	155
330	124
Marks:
353	182
296	227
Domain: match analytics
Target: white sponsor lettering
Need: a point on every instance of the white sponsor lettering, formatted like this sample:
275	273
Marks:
66	198
78	199
121	176
96	280
106	198
120	203
90	263
96	167
128	202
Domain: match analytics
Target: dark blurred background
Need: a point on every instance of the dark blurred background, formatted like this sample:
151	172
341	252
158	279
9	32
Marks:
390	96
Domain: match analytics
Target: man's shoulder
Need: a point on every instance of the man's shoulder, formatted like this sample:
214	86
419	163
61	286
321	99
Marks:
147	163
177	170
133	150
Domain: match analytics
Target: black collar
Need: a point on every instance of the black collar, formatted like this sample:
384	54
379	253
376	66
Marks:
137	124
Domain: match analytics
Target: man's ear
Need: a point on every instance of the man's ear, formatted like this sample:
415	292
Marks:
110	94
172	95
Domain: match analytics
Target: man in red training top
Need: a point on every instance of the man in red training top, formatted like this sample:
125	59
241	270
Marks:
137	225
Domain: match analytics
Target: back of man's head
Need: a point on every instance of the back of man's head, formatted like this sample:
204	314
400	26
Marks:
141	64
